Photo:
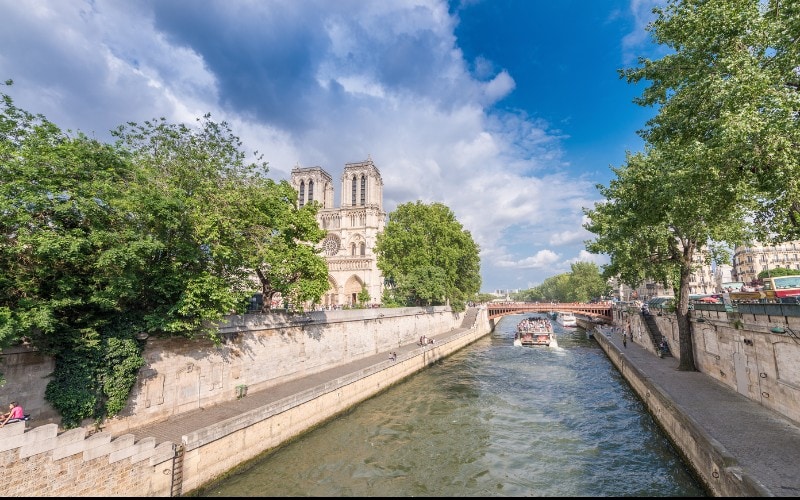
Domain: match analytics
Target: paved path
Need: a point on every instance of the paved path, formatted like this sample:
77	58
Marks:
176	426
765	444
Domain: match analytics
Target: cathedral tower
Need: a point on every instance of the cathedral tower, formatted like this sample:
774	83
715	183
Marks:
352	228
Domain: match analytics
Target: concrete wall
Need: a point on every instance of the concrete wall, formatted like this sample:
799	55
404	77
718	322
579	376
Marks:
699	449
42	462
262	350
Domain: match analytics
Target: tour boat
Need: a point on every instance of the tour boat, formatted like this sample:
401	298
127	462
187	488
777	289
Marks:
566	319
535	331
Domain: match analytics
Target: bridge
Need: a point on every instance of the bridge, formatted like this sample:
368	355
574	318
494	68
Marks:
600	310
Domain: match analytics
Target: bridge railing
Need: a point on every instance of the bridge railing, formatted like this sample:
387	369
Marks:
498	309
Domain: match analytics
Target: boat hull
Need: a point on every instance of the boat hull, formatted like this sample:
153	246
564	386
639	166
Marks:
567	319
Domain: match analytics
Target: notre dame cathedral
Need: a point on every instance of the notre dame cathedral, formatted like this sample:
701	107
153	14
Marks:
352	228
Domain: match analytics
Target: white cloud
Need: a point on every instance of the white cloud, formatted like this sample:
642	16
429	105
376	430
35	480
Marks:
316	83
499	87
541	259
565	237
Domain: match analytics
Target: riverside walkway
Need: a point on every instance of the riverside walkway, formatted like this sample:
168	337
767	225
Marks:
764	444
174	428
761	442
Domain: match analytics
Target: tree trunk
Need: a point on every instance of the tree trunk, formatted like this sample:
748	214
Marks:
682	312
267	292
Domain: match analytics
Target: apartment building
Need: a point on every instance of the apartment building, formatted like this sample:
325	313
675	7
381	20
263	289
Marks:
749	260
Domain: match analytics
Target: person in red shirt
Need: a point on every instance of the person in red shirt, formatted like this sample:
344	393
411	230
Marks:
15	414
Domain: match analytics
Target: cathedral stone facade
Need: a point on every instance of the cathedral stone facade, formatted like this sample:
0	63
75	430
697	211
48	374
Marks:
352	228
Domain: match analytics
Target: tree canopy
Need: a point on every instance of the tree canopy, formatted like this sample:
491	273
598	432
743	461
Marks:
163	233
720	157
778	271
584	283
427	257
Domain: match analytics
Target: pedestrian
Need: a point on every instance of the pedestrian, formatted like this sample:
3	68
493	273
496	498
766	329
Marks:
15	414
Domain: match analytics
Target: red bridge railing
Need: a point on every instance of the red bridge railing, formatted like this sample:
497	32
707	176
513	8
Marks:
498	309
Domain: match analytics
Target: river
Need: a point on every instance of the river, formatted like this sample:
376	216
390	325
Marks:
490	420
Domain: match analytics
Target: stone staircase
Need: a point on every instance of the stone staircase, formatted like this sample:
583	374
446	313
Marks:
469	317
654	333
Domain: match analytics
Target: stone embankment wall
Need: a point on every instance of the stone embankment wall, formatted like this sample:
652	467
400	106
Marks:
698	448
41	462
260	351
27	372
742	351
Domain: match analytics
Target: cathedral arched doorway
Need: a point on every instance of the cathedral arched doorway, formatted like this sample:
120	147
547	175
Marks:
351	290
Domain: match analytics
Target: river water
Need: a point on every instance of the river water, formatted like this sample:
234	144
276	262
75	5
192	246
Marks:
490	420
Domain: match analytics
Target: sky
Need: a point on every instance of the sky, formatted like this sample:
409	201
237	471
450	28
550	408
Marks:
509	112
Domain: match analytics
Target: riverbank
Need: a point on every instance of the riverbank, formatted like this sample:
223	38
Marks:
735	446
175	455
217	440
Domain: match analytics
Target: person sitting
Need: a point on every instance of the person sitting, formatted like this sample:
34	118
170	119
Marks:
15	414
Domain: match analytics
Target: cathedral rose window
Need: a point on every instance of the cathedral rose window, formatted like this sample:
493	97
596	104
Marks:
331	245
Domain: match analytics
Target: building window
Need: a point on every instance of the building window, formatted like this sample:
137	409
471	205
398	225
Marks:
353	249
310	191
302	192
363	191
353	194
363	249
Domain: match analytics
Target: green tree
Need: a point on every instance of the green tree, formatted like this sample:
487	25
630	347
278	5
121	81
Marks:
192	184
481	298
363	296
164	233
586	282
555	288
429	257
66	233
223	229
286	258
426	285
778	271
653	223
530	295
718	153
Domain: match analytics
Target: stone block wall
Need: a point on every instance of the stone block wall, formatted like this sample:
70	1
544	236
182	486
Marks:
259	351
743	352
263	350
42	462
27	373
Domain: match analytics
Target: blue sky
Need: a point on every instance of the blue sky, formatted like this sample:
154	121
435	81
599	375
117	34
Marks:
507	111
